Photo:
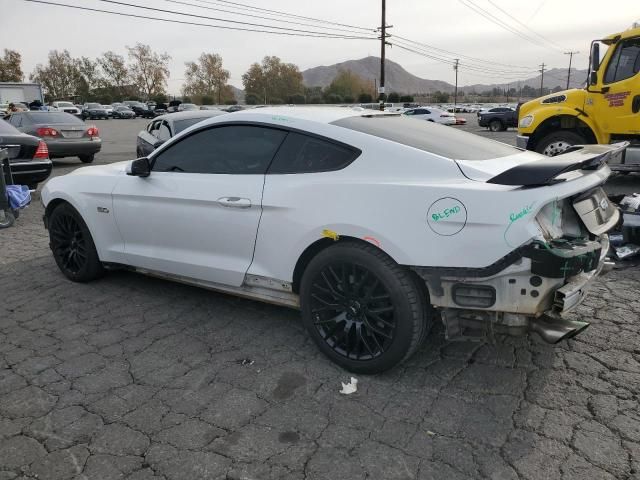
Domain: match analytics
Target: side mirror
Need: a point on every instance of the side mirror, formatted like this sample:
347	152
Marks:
593	78
139	168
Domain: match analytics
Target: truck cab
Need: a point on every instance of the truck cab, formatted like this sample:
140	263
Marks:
606	110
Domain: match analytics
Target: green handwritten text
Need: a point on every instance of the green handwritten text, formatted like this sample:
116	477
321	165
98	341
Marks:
522	213
446	213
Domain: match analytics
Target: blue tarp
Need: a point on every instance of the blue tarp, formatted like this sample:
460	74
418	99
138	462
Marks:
19	196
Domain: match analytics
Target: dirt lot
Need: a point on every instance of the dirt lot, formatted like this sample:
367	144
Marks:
132	377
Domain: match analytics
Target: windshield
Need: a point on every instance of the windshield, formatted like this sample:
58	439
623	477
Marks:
65	104
188	106
429	137
52	117
123	109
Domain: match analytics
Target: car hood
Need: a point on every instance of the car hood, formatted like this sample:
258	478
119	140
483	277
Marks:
109	170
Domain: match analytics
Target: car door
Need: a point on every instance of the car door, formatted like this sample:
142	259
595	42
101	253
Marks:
619	107
148	138
196	215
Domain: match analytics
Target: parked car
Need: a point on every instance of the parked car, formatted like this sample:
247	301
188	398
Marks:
164	127
432	114
28	156
94	110
364	221
461	121
67	107
109	109
123	112
139	108
498	119
117	104
65	135
186	107
4	108
208	107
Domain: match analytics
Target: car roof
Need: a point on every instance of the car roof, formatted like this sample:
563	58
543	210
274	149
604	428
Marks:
311	114
190	114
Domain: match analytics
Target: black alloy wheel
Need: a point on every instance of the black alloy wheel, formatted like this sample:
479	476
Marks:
72	246
363	310
353	311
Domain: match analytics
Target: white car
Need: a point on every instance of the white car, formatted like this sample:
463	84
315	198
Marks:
368	222
67	107
431	114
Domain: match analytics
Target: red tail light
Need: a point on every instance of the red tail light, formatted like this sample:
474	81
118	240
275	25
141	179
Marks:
42	151
47	132
93	131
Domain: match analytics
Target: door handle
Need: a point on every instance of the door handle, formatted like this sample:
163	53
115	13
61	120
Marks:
235	202
635	104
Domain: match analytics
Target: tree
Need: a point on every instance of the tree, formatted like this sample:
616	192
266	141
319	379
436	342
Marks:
148	69
333	98
90	77
160	98
347	84
11	66
61	77
207	100
313	95
297	99
365	98
252	99
115	75
406	98
207	77
273	80
394	97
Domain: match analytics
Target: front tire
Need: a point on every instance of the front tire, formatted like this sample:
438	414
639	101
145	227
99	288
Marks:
72	245
557	143
86	158
363	310
496	126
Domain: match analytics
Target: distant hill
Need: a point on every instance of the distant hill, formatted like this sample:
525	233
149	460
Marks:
397	79
238	93
552	78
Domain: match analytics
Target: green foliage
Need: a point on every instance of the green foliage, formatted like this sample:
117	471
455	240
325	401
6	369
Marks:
160	98
11	66
347	84
393	97
406	98
348	99
365	98
231	102
273	80
252	99
297	99
207	100
333	98
186	99
208	78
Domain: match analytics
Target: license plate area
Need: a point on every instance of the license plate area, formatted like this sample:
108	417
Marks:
72	133
597	212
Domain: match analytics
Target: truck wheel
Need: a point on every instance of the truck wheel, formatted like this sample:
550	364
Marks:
557	142
363	310
496	126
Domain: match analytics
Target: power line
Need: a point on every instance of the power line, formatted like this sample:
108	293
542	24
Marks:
541	78
183	22
553	44
238	22
262	17
492	18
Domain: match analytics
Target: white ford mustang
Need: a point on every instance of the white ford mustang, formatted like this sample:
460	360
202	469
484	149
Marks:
374	225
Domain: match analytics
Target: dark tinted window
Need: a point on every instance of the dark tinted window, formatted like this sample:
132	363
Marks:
429	136
304	154
625	62
181	125
52	117
234	149
7	129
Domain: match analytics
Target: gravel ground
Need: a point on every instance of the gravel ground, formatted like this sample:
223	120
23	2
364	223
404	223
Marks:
138	378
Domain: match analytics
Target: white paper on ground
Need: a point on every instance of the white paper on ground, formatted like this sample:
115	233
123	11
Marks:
351	387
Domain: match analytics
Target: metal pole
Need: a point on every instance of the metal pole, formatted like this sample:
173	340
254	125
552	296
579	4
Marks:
455	92
571	54
541	78
383	42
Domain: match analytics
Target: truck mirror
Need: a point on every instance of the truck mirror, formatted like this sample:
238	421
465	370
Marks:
595	56
593	78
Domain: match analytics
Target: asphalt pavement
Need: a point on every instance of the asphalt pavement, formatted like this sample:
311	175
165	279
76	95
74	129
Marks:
138	378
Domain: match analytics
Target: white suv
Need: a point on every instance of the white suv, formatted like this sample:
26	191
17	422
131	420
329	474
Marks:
67	107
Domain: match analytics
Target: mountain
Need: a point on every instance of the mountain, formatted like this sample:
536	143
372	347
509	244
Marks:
552	78
238	93
397	79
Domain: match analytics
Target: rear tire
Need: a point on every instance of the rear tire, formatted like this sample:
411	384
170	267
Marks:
72	245
86	158
7	219
363	310
557	142
496	126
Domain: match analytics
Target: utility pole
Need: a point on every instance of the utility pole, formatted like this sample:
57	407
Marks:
455	92
541	77
571	54
383	44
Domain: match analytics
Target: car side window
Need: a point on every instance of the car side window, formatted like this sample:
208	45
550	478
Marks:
625	62
426	112
305	154
232	149
163	132
410	112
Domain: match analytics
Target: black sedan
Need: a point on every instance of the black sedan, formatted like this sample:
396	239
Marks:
28	156
94	110
64	134
164	127
123	112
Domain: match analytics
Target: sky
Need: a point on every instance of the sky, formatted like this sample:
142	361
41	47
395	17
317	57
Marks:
545	30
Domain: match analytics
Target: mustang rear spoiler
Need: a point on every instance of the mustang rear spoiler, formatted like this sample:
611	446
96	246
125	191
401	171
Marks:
547	170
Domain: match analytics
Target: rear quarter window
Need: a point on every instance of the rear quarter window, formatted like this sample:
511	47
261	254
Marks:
429	137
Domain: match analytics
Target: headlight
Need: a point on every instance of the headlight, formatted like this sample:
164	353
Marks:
526	121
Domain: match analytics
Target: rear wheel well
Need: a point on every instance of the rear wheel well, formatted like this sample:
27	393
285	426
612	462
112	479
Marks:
319	245
558	123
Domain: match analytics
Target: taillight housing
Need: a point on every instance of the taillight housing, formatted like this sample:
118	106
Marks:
92	131
42	151
47	132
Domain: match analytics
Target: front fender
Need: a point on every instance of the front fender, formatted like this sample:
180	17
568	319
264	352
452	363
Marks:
546	112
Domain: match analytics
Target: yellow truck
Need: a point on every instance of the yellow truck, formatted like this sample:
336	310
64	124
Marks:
606	110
